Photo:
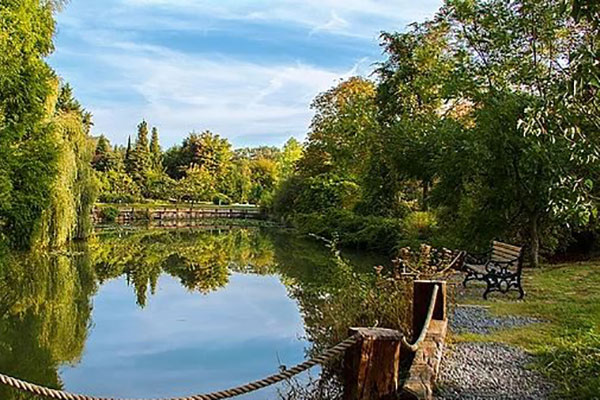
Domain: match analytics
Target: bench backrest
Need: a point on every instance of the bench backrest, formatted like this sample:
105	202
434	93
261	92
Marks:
506	252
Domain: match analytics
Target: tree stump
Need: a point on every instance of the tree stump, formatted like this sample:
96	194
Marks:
371	366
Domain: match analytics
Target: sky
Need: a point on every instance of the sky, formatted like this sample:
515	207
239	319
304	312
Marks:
245	69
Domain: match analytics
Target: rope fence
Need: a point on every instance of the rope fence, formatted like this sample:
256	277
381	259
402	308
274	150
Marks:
327	355
284	374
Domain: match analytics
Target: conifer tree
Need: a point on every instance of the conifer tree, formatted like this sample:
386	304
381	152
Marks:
129	156
141	162
102	157
155	150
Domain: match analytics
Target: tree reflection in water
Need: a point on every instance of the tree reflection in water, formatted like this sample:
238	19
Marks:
45	300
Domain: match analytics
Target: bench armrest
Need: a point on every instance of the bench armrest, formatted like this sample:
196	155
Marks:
477	258
501	268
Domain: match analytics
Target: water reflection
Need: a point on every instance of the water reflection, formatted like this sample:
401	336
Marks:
207	309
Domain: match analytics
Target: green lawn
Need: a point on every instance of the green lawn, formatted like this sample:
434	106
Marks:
567	346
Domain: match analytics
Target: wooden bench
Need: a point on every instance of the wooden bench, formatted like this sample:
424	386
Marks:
499	268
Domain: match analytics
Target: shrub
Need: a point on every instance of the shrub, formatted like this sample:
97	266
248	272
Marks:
376	233
419	226
221	199
110	214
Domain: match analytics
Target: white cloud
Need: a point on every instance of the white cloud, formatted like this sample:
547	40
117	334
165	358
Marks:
361	18
125	75
184	92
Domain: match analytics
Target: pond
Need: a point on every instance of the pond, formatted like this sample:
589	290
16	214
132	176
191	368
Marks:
160	313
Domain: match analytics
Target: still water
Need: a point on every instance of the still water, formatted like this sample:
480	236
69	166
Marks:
157	313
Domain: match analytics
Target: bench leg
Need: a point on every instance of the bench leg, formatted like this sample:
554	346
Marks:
488	289
521	291
471	276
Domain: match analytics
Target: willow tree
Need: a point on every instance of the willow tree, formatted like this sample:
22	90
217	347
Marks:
27	152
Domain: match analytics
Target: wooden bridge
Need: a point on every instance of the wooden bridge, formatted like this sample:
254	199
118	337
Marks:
131	214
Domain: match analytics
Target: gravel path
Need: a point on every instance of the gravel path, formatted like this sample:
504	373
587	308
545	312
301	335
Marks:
472	371
476	319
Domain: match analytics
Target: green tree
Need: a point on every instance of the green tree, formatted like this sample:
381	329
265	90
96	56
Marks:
290	154
517	69
197	185
129	156
102	161
155	150
141	158
341	129
27	152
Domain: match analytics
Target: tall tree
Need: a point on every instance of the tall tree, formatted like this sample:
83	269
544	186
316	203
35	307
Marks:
102	156
28	152
290	154
141	160
155	150
128	158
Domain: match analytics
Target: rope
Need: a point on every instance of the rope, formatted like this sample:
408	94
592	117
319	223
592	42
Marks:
415	346
224	394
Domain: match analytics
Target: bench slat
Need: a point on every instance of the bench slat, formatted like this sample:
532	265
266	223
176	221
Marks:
503	258
504	253
507	246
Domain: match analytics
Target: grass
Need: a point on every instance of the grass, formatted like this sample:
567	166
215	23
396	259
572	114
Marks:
567	346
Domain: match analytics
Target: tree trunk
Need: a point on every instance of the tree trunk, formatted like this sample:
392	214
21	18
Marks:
424	202
535	243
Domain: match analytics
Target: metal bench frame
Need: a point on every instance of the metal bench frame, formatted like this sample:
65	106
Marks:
500	268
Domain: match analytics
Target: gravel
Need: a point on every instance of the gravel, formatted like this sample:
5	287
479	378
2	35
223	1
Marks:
472	371
477	319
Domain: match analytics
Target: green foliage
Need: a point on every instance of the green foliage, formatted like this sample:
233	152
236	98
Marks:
320	193
110	214
102	157
488	113
47	186
349	229
221	199
155	150
418	227
197	185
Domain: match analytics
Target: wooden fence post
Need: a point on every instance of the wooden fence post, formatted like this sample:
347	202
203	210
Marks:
371	366
422	291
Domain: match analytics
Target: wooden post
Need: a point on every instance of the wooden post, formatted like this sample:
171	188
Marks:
371	366
421	299
425	364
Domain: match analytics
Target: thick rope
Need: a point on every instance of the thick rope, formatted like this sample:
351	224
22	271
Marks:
415	346
224	394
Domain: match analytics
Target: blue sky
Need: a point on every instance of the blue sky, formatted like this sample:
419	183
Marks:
246	69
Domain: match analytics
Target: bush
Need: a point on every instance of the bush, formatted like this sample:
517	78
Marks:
320	193
220	199
375	233
418	227
110	214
